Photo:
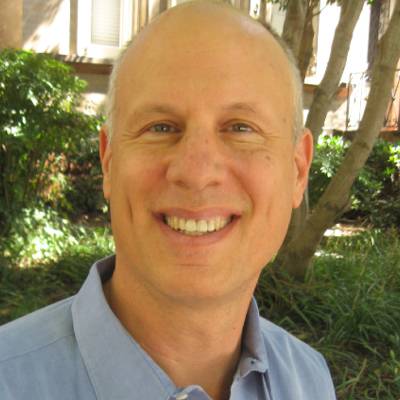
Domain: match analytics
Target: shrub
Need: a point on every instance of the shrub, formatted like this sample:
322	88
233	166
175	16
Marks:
328	156
40	127
83	194
39	236
45	259
375	193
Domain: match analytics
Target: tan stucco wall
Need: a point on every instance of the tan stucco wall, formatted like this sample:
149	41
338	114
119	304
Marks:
46	25
10	24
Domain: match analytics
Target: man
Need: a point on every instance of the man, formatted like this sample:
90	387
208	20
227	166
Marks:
203	161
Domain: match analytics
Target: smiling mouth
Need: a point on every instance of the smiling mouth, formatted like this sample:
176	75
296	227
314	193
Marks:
197	227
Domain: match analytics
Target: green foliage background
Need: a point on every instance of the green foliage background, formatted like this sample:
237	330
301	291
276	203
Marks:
42	131
376	192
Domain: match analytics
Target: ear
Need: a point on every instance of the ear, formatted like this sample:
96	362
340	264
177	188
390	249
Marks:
302	158
105	158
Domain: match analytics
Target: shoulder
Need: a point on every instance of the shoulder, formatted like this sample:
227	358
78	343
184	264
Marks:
281	341
296	361
36	330
40	358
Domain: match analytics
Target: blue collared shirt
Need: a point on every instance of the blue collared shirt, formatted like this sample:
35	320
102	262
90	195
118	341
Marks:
77	349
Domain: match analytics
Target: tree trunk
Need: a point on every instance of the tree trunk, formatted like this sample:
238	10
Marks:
307	40
335	198
245	5
262	15
294	34
349	15
374	22
297	221
293	26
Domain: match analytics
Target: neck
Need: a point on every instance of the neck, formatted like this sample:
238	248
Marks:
196	343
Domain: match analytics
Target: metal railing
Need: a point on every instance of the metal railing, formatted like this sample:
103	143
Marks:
357	95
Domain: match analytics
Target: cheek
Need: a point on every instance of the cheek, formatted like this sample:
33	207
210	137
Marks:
136	171
134	186
267	180
269	186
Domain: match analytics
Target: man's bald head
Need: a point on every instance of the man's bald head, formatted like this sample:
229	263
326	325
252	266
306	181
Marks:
202	23
203	131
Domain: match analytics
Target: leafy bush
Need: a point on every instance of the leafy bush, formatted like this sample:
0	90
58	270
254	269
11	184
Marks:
56	260
40	128
328	156
84	194
40	235
376	191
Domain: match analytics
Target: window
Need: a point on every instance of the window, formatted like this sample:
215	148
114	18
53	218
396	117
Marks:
105	22
104	26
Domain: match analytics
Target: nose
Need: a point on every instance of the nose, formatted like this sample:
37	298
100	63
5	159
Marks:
197	161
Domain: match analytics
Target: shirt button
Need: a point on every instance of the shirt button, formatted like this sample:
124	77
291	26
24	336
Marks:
181	396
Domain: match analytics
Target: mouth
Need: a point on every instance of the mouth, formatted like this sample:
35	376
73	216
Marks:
197	227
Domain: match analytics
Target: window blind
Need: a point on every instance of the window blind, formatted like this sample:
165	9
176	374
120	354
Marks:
105	27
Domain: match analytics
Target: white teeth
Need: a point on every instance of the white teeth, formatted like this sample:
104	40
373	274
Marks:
202	226
190	225
211	225
196	227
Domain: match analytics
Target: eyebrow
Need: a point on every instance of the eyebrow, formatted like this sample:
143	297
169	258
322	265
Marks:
151	108
155	108
166	109
241	106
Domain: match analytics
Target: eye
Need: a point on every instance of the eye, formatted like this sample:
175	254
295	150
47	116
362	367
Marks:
162	127
240	127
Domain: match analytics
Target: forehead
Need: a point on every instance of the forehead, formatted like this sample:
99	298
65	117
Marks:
204	50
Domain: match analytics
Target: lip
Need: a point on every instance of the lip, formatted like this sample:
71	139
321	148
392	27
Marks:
198	214
208	239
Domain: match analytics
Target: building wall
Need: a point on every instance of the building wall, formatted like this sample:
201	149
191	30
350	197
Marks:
276	17
357	60
57	26
11	24
46	26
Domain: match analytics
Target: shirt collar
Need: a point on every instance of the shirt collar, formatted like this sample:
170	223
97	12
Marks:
254	354
106	347
116	364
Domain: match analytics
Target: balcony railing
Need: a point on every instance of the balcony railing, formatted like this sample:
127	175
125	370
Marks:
358	90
